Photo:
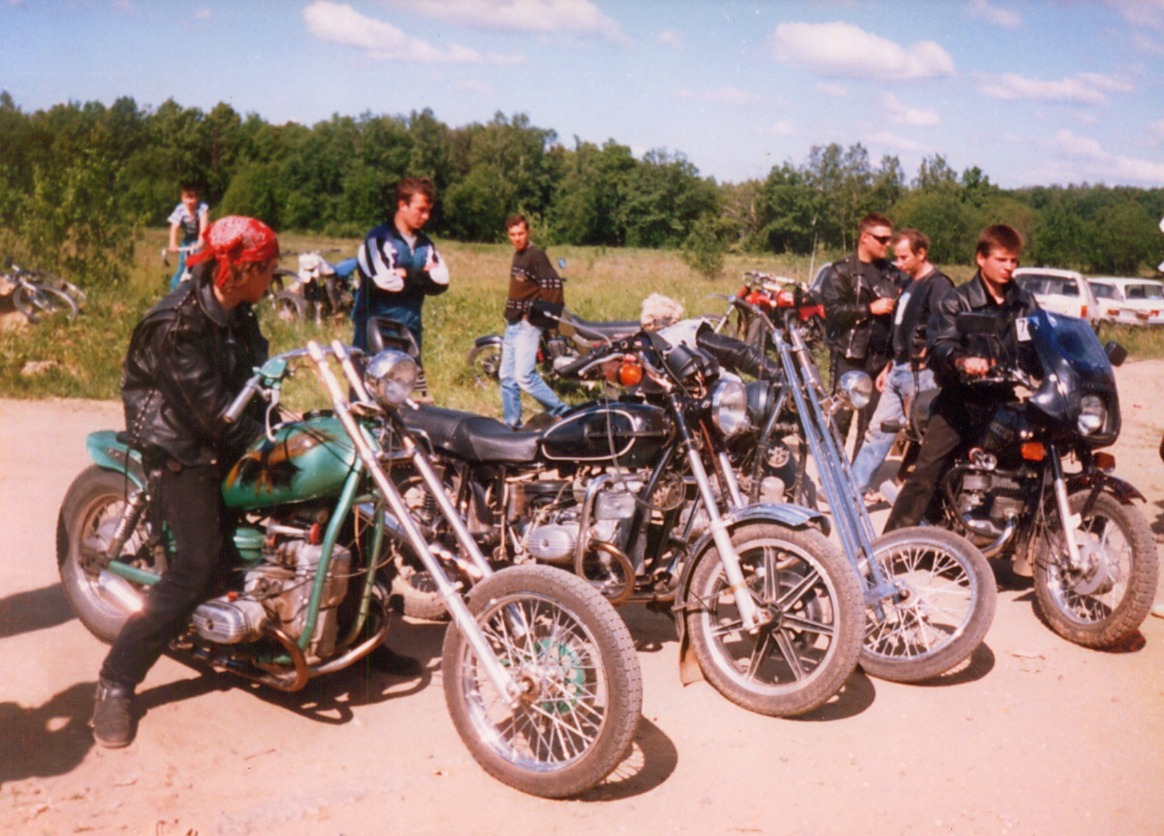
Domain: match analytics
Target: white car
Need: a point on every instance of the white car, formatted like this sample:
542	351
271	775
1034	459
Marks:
1059	291
1128	301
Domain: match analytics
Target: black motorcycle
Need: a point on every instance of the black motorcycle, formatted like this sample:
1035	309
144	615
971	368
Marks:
1032	486
635	494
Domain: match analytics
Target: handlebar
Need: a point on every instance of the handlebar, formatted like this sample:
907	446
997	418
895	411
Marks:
252	387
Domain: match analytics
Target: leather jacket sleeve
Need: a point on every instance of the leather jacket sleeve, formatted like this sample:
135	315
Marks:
843	309
736	355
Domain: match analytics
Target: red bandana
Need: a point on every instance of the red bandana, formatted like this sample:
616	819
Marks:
235	240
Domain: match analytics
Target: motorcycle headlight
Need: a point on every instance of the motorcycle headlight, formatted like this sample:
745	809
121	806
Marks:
761	397
856	388
390	377
1092	414
729	407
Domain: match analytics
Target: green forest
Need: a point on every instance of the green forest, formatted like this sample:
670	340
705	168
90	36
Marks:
79	182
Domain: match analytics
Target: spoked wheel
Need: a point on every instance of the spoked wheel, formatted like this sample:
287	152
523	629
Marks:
1108	596
40	302
807	650
42	277
941	611
485	363
289	307
88	519
580	688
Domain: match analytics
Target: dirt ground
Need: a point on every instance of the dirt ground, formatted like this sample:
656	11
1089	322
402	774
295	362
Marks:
1036	736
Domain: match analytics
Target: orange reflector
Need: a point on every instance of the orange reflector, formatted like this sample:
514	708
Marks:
1034	451
1105	462
630	374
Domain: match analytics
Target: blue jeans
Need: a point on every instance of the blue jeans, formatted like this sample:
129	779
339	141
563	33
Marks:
891	407
519	360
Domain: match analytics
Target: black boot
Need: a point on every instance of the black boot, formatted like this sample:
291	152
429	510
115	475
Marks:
113	721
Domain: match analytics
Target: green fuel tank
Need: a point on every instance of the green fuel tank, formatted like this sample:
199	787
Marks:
307	460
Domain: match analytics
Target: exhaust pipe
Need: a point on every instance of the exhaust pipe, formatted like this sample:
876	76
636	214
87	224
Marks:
121	591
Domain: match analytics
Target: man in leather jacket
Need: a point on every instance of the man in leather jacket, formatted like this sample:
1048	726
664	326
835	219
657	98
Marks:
188	358
960	407
859	293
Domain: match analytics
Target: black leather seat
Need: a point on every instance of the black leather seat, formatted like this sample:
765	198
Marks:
610	330
473	437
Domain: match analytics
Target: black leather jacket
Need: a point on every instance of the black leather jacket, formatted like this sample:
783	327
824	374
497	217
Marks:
187	360
947	345
847	290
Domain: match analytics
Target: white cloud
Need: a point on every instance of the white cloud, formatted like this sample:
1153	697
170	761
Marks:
1084	88
340	23
1098	164
579	18
841	49
669	37
982	10
895	142
1148	14
721	95
1157	130
833	89
779	129
913	116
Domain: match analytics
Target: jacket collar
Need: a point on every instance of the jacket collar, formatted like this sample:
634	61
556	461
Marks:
204	293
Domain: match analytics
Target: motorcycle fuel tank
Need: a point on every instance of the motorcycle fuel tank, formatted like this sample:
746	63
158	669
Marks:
307	460
633	434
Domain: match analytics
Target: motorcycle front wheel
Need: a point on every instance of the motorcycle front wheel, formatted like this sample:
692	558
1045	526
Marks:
573	657
38	302
88	518
808	648
1101	602
944	604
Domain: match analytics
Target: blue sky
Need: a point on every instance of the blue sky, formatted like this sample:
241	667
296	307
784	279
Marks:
1030	91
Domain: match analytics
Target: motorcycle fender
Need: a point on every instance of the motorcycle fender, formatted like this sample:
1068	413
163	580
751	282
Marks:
488	339
790	516
1125	492
109	453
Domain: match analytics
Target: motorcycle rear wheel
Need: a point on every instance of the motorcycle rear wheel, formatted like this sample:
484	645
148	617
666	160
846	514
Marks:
88	517
289	306
577	718
801	658
944	606
1105	603
485	363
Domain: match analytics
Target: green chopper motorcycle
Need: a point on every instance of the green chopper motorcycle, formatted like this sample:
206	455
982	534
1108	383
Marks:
540	673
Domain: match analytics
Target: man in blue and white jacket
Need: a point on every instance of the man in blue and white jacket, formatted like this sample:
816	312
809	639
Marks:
399	265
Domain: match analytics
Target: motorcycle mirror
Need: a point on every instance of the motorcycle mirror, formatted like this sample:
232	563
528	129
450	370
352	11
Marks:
561	263
1116	353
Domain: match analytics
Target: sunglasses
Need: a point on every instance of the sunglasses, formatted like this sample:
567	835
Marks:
883	240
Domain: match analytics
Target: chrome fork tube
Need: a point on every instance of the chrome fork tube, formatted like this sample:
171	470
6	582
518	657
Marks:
1070	522
750	614
450	597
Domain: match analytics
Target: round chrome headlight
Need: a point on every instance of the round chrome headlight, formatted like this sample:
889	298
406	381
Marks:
729	406
1092	414
856	388
390	377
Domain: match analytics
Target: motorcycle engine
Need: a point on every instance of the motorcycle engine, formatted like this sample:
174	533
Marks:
988	501
277	591
548	517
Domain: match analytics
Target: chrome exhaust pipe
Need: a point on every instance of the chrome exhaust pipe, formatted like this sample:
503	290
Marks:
121	591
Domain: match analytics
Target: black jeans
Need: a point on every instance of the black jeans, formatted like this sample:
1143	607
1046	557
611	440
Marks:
941	440
191	503
871	365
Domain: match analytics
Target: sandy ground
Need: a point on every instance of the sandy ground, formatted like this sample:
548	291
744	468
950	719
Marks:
1035	736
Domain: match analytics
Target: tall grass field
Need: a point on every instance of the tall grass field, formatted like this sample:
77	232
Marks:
82	358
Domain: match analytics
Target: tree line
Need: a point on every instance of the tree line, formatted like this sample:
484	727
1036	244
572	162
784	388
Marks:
79	181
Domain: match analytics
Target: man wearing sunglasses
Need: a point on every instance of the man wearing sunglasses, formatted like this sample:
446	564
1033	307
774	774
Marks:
859	294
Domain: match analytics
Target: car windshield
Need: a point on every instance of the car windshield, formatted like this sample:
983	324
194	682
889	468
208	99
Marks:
1104	291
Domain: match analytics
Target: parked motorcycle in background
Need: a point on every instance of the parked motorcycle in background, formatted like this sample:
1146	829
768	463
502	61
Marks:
318	290
540	674
633	495
1034	487
929	594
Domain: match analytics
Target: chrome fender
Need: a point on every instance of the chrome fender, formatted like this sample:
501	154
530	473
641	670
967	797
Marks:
787	515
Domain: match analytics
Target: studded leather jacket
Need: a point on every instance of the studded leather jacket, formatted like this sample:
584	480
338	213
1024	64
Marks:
187	360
